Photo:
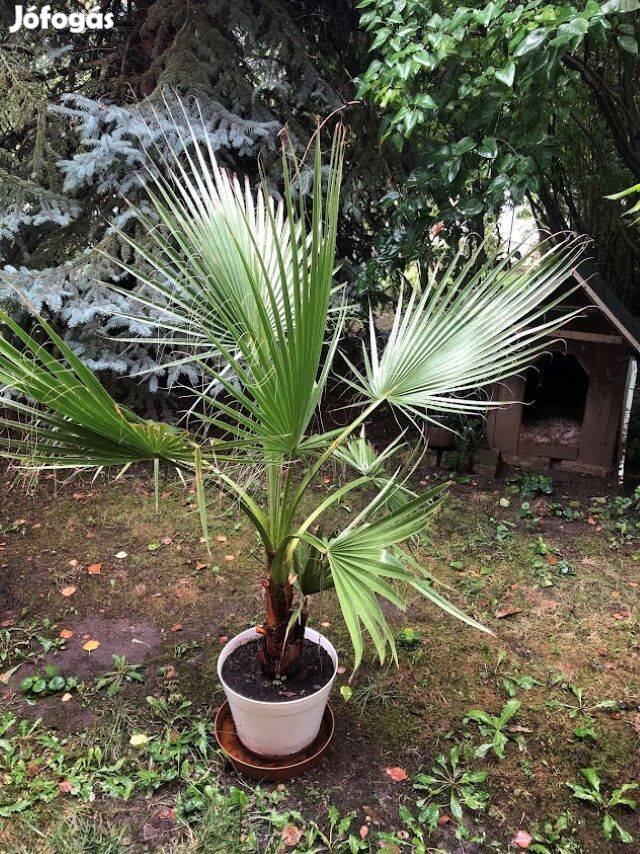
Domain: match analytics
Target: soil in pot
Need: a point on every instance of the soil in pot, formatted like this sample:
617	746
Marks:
241	671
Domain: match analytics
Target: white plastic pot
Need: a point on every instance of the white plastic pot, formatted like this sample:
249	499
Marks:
277	729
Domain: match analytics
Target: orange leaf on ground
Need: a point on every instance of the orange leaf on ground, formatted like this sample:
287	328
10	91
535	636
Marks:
67	634
444	819
68	591
167	814
397	774
507	612
291	835
364	831
65	786
176	627
94	569
552	559
522	839
90	645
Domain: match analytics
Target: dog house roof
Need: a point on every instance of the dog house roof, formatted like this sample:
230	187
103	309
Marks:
603	297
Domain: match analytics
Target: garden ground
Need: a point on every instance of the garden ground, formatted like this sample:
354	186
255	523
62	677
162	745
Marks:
112	616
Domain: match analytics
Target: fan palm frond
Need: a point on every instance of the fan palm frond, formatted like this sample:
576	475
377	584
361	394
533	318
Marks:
468	331
78	424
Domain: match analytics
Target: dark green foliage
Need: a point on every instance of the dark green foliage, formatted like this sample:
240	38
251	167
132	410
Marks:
526	102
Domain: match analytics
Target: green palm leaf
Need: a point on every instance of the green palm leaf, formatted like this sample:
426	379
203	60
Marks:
80	424
361	569
466	332
241	278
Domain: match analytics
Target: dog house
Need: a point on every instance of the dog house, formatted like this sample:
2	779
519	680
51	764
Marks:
571	409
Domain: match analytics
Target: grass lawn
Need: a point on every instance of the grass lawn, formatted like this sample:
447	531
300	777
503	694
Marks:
113	750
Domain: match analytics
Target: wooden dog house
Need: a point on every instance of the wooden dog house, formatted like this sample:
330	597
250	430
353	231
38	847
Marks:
571	410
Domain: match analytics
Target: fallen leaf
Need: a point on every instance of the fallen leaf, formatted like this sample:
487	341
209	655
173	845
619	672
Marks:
65	786
552	559
170	672
67	634
340	669
444	819
223	638
138	739
176	627
166	814
94	569
347	694
73	563
229	558
68	591
291	835
90	645
522	839
501	613
66	697
121	555
325	625
397	774
166	541
621	615
221	538
201	565
591	521
364	831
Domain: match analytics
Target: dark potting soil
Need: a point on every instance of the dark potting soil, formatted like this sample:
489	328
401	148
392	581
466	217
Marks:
242	672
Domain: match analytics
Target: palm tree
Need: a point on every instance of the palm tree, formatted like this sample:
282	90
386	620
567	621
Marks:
244	284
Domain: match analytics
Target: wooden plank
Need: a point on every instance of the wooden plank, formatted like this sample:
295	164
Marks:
594	337
507	419
553	450
604	398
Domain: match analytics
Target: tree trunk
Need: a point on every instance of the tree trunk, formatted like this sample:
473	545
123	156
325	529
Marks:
278	658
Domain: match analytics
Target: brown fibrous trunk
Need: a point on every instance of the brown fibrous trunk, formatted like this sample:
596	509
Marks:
278	658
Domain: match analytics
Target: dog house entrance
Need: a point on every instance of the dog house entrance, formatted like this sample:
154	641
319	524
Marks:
555	396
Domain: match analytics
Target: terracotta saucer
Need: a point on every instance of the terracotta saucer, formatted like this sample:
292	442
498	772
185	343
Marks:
265	768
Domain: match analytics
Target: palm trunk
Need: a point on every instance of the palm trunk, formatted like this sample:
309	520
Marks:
278	658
